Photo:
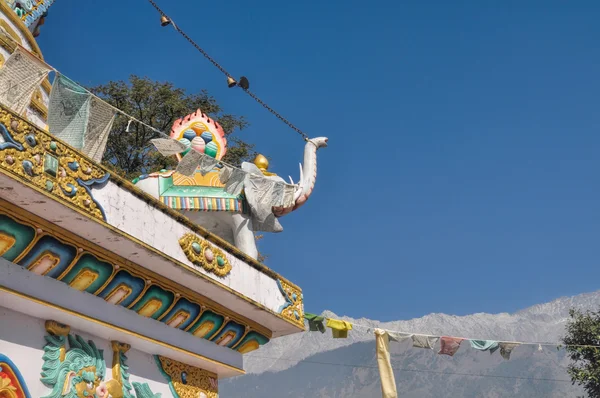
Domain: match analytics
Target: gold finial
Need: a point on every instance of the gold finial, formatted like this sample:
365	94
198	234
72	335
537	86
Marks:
262	163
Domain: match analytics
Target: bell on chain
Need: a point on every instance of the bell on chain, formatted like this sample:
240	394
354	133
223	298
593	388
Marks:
164	20
231	82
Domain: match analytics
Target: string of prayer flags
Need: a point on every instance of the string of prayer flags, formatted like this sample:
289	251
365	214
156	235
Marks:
189	163
484	345
449	345
68	111
207	164
424	341
100	120
339	328
315	322
20	76
259	192
79	118
288	196
399	337
233	180
168	146
506	349
384	363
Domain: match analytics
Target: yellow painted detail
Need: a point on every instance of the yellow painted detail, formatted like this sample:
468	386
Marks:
249	347
84	279
204	329
150	308
6	242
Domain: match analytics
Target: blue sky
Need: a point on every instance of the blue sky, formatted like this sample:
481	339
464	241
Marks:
462	169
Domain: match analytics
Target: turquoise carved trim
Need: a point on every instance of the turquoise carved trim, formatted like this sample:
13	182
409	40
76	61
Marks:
231	334
166	376
143	391
118	284
11	231
48	256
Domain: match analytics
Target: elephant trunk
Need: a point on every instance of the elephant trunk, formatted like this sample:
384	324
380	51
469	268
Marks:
308	176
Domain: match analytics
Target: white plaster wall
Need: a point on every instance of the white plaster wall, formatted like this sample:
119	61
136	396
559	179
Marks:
135	217
22	340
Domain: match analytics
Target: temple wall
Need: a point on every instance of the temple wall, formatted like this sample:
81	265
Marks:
135	217
22	341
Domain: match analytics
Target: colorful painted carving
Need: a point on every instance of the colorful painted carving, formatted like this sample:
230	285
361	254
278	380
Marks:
198	131
30	10
203	254
206	193
187	381
78	369
12	384
293	309
49	165
121	283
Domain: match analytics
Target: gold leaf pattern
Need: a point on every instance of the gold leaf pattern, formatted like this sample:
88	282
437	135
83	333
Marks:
197	250
50	165
188	381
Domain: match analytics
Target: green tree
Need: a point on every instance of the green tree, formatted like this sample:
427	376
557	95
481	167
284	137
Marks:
581	339
159	104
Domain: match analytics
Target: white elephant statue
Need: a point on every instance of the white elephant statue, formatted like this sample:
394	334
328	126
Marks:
203	198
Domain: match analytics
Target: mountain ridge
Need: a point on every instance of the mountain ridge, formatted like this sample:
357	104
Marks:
287	358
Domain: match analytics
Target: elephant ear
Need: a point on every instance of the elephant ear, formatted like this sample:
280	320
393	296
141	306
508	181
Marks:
201	133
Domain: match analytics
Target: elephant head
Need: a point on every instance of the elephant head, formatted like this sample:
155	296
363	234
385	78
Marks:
308	176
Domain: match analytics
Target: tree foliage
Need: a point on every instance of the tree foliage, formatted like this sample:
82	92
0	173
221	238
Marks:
159	104
583	329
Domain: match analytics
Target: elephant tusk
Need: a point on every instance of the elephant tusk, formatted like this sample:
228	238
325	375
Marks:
298	193
300	189
291	181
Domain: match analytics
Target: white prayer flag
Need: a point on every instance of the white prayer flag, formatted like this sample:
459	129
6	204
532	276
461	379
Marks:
100	121
168	146
423	341
189	163
207	164
68	111
20	76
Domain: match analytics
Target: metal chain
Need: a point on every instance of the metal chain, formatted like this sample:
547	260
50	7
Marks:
215	63
277	115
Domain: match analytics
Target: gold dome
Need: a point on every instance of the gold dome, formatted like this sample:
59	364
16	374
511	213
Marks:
261	162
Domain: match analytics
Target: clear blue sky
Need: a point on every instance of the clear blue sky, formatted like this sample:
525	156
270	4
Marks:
462	170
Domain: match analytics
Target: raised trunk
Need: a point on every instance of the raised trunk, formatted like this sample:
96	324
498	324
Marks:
309	173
